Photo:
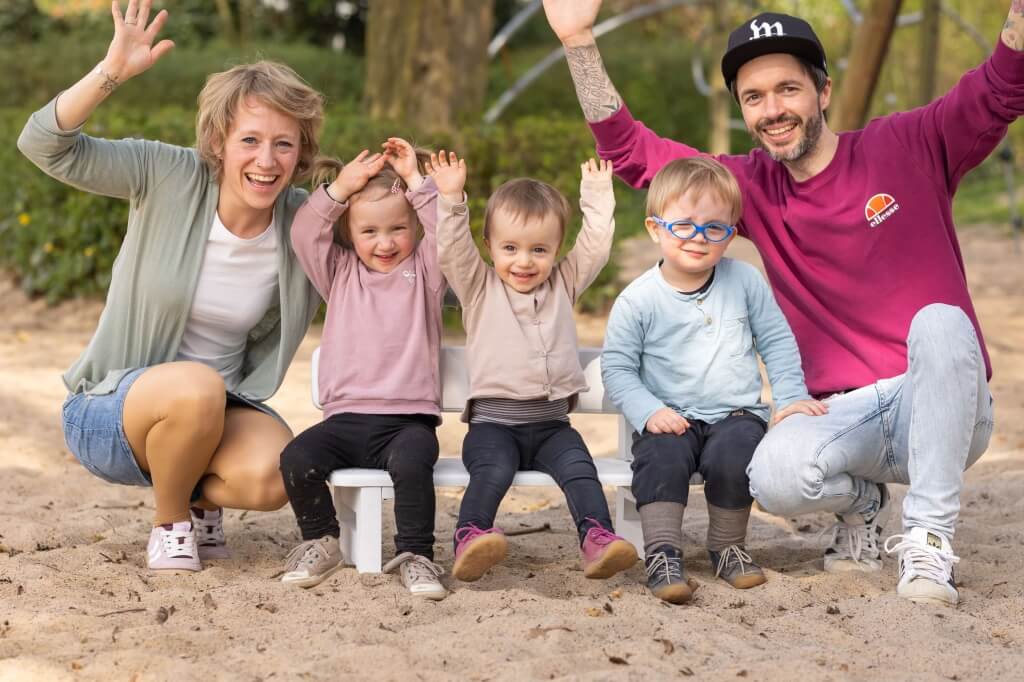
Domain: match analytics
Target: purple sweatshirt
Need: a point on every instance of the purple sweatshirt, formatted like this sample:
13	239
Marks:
854	252
382	337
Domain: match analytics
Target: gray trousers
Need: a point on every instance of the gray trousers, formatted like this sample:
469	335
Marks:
922	428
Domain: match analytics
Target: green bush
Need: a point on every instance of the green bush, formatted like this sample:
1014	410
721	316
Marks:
61	242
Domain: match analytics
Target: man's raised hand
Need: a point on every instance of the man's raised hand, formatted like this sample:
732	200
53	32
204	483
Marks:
572	20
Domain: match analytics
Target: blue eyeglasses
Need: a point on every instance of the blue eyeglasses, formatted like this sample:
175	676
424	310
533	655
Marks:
687	229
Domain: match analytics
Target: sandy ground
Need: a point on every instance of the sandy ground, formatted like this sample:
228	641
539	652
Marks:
76	601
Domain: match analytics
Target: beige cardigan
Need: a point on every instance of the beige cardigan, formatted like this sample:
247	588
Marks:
524	346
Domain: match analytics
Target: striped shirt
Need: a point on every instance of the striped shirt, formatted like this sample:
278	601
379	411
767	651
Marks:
512	412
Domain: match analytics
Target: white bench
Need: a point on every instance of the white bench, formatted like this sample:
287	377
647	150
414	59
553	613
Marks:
359	493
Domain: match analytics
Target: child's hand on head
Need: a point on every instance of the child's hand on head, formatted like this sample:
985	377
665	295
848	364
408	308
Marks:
355	174
597	170
449	173
812	408
666	420
402	158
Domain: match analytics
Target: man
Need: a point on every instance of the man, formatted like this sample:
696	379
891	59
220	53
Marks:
857	236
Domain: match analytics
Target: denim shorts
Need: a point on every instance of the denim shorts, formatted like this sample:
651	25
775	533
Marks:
94	432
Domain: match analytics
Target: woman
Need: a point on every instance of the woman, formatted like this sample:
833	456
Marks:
207	303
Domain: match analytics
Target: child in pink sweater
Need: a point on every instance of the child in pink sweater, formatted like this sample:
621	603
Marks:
379	358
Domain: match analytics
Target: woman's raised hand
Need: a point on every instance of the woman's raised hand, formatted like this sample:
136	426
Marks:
132	50
449	173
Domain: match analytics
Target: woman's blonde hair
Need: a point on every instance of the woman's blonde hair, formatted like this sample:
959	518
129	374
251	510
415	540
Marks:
695	173
273	84
383	184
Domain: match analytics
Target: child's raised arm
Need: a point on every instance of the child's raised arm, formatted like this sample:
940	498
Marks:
456	251
312	233
593	246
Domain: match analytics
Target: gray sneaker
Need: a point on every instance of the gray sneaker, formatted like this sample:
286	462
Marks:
311	562
419	574
734	566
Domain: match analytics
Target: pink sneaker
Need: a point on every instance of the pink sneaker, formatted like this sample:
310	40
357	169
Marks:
476	551
604	553
209	527
172	547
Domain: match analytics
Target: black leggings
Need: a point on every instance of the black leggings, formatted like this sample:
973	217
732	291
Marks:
405	445
664	462
493	453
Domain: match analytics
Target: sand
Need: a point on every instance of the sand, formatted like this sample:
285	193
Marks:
76	601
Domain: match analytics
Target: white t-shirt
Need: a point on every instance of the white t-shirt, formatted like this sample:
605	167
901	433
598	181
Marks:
237	283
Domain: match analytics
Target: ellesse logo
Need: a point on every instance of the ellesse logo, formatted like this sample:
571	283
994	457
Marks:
879	208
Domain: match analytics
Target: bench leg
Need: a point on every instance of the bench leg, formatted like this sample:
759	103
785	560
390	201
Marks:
627	519
359	514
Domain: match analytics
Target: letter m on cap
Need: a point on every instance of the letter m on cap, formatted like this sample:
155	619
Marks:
764	29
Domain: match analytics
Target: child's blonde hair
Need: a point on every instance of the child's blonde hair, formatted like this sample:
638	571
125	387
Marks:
273	84
527	199
695	173
381	185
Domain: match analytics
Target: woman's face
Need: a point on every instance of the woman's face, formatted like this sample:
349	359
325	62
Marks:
259	157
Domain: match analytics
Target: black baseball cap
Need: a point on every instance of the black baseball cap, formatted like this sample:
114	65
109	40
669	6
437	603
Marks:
769	33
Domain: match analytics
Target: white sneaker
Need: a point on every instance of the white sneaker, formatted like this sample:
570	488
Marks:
855	539
172	547
926	567
311	562
209	527
419	574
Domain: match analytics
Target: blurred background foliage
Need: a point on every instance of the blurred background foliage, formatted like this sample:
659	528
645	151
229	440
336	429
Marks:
60	242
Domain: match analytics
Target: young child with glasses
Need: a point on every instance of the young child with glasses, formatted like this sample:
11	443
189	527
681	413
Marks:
521	350
680	362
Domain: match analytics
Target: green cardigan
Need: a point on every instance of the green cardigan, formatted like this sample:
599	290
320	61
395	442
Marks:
173	199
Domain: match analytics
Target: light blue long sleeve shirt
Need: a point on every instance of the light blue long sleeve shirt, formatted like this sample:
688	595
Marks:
697	353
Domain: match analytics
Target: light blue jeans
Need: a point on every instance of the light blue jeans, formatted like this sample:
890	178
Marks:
922	428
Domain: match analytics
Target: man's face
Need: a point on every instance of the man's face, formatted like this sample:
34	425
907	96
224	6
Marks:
783	111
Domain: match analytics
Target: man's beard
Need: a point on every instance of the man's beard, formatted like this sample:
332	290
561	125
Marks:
811	135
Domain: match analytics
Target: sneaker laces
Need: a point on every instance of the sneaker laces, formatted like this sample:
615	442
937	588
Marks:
733	554
419	569
470	531
854	538
305	553
598	534
177	543
924	561
670	568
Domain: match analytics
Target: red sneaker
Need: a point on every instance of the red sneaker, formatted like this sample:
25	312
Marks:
604	553
476	551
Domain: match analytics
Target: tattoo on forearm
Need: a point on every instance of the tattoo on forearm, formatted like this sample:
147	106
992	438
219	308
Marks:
109	83
598	97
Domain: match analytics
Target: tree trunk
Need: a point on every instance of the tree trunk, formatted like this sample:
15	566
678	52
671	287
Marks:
426	61
227	20
869	48
720	100
931	10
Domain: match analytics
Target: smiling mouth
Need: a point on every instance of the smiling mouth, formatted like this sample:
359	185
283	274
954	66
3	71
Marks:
779	129
261	181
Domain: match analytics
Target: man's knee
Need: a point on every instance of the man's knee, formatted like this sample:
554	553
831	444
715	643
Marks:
783	477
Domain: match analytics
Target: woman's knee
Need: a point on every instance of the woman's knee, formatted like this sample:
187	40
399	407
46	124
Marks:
187	392
269	493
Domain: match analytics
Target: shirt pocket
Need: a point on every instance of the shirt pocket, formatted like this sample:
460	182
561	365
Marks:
737	337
